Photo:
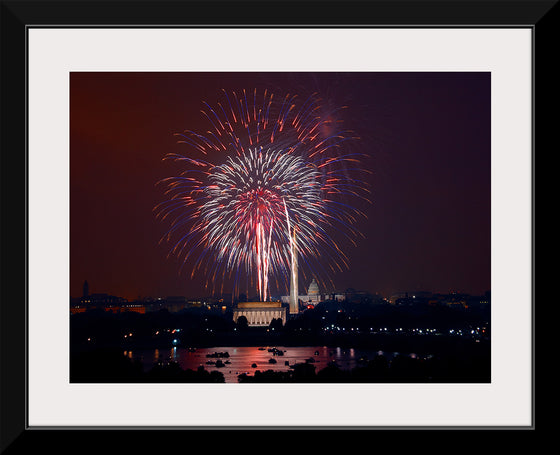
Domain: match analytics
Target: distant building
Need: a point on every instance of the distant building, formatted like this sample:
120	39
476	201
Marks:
260	314
102	300
133	307
313	289
175	304
312	298
74	309
336	297
411	297
479	302
105	302
401	295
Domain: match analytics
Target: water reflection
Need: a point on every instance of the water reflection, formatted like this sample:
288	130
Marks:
248	359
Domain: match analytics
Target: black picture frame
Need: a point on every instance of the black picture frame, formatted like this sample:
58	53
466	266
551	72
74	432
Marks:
17	17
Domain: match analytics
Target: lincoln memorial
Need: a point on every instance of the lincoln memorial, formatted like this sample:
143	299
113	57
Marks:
260	314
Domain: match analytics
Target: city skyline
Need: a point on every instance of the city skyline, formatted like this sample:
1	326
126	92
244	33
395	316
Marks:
428	140
321	293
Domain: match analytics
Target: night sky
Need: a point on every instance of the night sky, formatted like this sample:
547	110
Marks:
428	140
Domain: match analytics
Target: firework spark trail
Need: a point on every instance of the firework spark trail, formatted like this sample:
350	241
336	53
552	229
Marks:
267	170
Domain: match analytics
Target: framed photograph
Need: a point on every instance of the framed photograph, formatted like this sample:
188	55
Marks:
311	217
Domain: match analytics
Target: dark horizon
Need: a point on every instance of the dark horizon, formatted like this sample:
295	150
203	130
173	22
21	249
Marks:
427	135
409	292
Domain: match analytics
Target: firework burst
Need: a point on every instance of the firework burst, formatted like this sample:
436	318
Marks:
266	169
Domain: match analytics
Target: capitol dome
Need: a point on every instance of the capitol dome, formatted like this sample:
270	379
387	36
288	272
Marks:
313	288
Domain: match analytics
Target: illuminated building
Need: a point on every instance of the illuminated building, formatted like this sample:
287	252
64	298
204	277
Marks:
106	302
133	308
77	309
260	314
313	296
313	291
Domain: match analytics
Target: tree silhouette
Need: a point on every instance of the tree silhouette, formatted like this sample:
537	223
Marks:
275	324
242	323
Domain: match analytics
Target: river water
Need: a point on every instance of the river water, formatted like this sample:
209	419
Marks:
247	359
